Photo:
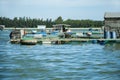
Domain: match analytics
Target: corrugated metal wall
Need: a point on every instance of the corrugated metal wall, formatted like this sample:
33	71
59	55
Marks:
113	24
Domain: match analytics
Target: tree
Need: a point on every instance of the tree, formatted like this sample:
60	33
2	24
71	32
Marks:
59	20
27	22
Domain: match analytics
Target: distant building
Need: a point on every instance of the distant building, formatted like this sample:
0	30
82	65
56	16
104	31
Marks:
112	22
41	27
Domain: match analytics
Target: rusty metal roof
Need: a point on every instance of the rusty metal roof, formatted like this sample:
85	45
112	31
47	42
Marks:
112	15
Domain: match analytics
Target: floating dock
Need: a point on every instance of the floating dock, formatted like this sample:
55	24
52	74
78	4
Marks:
68	40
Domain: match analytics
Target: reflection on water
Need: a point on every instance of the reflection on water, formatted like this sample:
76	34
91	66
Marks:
58	62
112	46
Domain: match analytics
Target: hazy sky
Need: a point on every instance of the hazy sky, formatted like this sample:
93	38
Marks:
68	9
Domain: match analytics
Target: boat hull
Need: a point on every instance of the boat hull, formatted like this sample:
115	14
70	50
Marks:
28	42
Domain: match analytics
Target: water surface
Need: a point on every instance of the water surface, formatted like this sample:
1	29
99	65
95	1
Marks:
58	62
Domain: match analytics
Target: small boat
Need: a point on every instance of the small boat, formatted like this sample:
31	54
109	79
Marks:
28	41
2	27
15	36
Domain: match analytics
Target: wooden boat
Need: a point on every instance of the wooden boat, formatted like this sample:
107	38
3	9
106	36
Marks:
15	41
15	36
2	27
28	41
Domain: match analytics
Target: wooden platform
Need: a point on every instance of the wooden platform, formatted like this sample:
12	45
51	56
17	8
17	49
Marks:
68	40
64	40
78	39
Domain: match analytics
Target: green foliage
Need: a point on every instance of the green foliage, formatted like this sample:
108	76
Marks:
59	20
27	22
83	23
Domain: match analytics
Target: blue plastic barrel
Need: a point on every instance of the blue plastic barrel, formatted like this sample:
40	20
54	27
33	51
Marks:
107	34
113	35
94	41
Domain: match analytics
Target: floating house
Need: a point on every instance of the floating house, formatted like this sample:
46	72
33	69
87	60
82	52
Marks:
62	30
112	24
61	27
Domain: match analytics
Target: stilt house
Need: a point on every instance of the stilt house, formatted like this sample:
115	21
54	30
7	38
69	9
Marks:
112	22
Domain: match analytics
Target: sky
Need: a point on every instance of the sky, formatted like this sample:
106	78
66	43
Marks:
52	9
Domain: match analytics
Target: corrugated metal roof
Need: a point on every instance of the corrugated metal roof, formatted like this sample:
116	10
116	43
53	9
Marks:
112	15
61	25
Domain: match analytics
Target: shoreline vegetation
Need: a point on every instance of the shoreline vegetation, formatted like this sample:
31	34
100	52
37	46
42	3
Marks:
27	22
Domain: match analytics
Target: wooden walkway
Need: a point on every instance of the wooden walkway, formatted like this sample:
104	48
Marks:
64	40
79	40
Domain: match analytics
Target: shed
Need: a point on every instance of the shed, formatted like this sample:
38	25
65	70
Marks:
41	27
112	22
61	27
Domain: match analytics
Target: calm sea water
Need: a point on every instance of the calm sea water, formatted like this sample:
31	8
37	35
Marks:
58	62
